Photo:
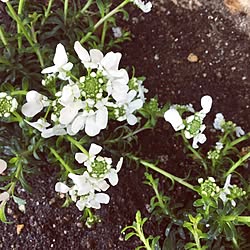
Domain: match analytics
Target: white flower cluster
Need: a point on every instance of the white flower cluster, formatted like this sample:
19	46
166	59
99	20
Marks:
8	104
87	190
193	125
5	195
221	124
227	193
87	102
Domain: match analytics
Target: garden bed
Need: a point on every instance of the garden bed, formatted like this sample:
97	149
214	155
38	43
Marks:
184	55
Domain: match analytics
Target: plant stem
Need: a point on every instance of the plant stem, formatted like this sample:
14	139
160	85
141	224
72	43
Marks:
63	163
18	92
103	19
26	34
19	12
3	38
77	144
85	7
66	7
240	139
47	11
237	164
163	172
196	153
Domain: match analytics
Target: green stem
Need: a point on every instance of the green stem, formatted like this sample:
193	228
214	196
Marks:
18	117
85	7
77	144
18	92
26	34
63	163
163	172
103	19
2	37
66	8
242	219
47	11
240	139
237	164
19	12
196	153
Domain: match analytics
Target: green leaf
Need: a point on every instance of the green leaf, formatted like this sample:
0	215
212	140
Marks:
101	7
19	201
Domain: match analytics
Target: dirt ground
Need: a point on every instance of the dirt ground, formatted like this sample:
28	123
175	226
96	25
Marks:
160	49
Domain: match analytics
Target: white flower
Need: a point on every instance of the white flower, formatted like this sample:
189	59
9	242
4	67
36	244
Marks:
117	32
219	121
226	190
61	64
41	124
90	60
219	146
145	7
92	200
5	1
112	173
3	166
85	184
4	196
172	116
127	107
93	151
8	104
239	131
35	103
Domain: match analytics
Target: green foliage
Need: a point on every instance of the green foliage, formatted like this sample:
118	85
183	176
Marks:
150	243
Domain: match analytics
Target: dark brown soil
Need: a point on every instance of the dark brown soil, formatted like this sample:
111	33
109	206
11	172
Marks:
162	41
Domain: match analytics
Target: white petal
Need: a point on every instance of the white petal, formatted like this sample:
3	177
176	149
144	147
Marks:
61	188
102	198
51	69
30	109
91	127
81	52
119	164
103	185
113	177
206	103
201	138
239	131
173	116
4	196
131	119
3	166
33	96
67	114
102	117
96	55
40	124
78	124
68	66
135	105
60	57
94	149
81	204
81	157
111	60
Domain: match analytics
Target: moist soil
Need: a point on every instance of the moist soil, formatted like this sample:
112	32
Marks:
162	42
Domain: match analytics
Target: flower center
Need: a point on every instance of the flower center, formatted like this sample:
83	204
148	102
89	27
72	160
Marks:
99	167
93	85
194	126
6	105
